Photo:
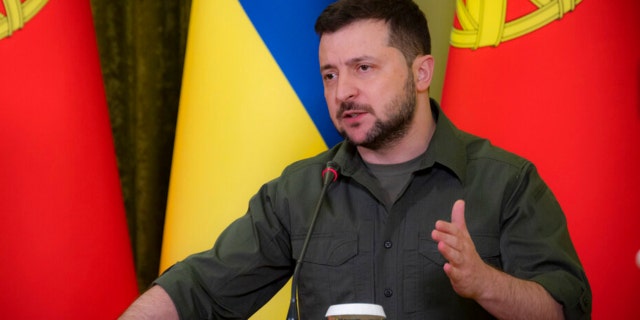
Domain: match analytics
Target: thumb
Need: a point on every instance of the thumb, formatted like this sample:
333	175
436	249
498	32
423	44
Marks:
457	215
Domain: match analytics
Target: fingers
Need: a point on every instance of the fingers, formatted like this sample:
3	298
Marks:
451	236
464	267
450	253
449	232
457	215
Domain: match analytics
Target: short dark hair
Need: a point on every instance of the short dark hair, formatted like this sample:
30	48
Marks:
408	29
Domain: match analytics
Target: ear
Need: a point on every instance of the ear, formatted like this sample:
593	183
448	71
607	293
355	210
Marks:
423	71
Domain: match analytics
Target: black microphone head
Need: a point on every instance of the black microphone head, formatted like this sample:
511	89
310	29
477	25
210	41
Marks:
333	165
330	172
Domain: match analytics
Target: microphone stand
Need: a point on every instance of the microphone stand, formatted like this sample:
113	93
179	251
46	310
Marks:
329	174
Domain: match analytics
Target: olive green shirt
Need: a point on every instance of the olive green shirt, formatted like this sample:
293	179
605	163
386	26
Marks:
364	251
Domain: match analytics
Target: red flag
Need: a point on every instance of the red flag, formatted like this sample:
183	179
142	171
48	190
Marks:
64	245
559	84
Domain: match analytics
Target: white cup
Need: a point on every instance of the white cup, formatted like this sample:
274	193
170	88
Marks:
361	311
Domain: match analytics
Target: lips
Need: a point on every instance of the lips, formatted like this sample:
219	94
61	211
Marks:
352	117
352	114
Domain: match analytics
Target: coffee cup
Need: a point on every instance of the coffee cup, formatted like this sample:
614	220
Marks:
355	311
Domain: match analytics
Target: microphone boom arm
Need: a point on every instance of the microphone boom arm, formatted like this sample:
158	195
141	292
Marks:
329	175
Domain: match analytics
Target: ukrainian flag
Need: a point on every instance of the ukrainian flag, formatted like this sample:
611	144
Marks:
251	103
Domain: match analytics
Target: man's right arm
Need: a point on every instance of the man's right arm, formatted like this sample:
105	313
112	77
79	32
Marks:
153	304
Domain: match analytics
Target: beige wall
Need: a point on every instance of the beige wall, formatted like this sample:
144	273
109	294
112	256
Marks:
440	15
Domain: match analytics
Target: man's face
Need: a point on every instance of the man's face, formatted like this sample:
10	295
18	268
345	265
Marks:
369	90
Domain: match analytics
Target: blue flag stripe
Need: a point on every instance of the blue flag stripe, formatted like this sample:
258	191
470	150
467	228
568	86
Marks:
287	30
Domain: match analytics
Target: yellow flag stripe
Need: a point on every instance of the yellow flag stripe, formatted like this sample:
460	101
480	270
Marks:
239	124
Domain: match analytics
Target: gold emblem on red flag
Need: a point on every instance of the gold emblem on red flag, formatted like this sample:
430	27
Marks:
17	14
483	22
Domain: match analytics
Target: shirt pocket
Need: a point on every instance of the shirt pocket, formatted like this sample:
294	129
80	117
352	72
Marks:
426	285
328	268
429	250
487	246
327	249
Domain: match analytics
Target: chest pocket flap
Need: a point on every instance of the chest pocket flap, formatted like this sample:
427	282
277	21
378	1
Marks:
327	249
488	247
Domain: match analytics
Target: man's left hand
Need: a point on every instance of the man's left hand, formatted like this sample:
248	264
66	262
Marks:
465	269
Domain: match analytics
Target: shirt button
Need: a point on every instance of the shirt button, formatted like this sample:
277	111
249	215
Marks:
388	244
388	293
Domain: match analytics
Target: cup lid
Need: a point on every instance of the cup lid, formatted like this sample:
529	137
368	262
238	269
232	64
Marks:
365	309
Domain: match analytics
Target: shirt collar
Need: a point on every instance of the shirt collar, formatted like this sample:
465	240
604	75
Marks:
446	149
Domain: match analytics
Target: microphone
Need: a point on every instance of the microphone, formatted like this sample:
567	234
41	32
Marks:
329	175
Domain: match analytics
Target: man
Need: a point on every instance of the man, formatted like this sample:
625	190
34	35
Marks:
382	234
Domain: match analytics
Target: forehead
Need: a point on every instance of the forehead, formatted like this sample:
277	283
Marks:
358	38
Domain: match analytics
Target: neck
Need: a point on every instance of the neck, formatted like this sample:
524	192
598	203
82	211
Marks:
413	144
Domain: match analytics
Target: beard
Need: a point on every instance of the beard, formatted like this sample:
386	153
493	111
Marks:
401	111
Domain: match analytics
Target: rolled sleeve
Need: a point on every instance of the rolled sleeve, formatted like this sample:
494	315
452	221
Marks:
538	247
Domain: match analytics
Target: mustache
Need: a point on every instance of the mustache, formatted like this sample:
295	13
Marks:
352	106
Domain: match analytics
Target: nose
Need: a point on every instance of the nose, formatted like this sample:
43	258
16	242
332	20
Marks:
346	88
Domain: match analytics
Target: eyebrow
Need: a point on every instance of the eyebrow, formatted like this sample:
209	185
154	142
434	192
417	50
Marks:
350	62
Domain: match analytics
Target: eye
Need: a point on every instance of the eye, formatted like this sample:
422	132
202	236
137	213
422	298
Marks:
329	76
364	67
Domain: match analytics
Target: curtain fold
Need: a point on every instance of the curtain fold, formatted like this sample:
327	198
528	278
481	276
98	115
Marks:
142	45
